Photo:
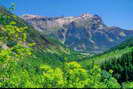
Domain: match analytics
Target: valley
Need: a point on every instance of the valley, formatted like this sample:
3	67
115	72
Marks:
63	52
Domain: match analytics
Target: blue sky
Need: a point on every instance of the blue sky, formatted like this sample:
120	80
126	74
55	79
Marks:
113	12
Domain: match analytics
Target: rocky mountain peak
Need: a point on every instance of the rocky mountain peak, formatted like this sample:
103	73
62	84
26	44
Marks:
86	15
85	33
31	17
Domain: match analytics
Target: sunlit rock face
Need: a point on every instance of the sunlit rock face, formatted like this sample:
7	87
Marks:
85	33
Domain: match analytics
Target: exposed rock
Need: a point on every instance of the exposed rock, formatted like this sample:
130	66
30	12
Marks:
86	33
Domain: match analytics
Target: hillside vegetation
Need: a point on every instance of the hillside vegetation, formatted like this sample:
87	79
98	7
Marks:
44	47
28	59
118	59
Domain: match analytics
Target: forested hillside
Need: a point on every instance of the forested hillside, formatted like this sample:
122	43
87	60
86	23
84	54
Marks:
28	59
118	59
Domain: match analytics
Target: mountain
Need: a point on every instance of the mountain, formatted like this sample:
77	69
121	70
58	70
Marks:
115	52
46	48
51	64
33	35
85	33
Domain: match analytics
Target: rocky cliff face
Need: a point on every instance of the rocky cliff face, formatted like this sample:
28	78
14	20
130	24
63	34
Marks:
85	33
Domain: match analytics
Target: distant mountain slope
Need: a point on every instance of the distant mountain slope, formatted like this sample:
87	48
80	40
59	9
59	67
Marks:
47	49
85	33
115	52
34	35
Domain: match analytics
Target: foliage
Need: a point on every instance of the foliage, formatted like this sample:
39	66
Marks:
52	77
127	85
25	66
122	67
75	75
119	59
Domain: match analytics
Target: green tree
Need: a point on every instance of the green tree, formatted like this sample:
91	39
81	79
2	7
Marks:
52	78
75	75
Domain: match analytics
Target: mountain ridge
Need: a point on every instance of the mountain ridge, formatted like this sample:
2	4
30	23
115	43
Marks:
84	33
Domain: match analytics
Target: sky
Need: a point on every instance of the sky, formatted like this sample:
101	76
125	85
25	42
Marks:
113	12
